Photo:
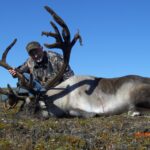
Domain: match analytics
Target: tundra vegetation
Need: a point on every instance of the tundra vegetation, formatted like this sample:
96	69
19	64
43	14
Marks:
111	132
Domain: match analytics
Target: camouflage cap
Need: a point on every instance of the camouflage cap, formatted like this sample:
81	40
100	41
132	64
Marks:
32	45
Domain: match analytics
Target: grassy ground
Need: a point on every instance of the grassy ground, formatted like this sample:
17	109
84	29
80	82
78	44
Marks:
115	132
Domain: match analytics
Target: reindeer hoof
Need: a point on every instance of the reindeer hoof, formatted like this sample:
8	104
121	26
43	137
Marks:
45	114
134	113
28	100
42	104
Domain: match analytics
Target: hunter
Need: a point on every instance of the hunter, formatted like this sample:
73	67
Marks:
44	65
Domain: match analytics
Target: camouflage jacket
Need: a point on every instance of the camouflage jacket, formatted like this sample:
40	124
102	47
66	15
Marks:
47	69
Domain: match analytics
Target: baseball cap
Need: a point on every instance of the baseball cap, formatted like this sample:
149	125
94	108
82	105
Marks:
32	45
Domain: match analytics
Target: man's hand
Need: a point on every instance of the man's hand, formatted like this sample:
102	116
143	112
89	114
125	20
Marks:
12	72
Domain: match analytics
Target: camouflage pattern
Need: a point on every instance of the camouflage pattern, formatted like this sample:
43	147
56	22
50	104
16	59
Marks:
47	70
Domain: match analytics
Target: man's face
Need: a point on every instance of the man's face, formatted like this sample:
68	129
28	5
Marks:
37	54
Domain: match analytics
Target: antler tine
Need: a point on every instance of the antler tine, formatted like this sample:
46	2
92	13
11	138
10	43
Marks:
3	60
60	22
56	35
76	37
50	34
11	90
7	50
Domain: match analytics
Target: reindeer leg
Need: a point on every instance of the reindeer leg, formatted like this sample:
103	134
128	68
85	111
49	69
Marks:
133	111
139	97
22	106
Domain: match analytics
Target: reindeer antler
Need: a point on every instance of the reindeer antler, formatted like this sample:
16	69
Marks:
63	42
4	64
13	97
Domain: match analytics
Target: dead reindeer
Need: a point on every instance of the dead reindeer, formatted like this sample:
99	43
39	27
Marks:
86	96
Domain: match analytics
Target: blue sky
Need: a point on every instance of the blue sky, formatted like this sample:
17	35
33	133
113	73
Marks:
116	34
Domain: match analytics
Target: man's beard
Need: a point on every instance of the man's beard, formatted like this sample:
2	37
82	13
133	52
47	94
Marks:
39	60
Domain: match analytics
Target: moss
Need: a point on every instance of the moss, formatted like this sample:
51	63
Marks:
5	144
28	123
112	132
40	146
67	142
4	125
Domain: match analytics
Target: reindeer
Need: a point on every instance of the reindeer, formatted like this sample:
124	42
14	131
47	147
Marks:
81	96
